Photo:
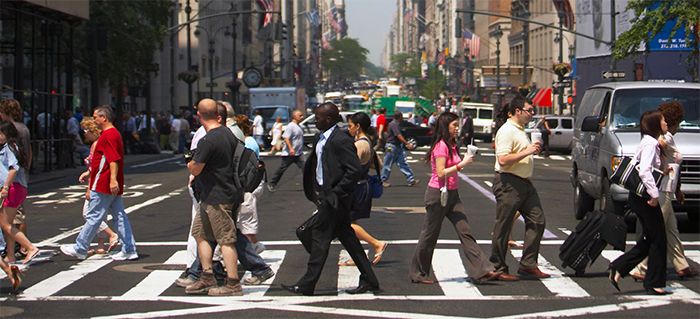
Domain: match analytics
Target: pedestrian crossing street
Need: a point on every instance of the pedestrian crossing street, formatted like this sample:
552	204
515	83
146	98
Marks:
414	156
448	268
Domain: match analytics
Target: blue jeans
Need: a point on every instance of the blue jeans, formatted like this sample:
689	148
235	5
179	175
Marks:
259	139
182	142
250	260
100	203
395	154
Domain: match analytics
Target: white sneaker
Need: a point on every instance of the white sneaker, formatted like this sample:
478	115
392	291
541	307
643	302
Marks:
259	247
70	251
125	256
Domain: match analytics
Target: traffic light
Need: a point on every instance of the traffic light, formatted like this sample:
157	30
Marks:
284	32
281	32
508	70
570	99
458	27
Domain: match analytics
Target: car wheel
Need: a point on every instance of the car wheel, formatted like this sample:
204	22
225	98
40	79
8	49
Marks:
411	140
582	202
607	204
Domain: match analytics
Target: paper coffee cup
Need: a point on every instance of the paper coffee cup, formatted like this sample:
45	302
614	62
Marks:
471	149
536	137
673	176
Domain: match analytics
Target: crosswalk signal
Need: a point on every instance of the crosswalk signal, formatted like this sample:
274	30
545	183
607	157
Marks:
284	32
458	27
570	99
508	70
281	32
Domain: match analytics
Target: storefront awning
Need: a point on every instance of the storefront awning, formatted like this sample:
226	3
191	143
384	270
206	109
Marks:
543	98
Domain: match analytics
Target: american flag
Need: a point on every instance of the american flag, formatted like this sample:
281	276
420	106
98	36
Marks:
564	8
440	57
331	17
471	41
325	40
267	5
314	17
409	15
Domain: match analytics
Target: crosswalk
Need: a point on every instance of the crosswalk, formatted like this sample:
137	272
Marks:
414	156
448	270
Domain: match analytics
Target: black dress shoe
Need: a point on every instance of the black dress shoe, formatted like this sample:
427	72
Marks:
361	289
297	290
659	292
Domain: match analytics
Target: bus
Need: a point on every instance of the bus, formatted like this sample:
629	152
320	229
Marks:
353	102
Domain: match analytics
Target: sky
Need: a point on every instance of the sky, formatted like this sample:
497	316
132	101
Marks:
369	21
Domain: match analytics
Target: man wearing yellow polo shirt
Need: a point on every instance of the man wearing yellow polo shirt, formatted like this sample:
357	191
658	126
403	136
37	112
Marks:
514	191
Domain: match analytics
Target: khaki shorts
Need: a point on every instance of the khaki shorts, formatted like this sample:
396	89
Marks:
19	218
214	223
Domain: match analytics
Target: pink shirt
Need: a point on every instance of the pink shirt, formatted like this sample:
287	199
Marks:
441	150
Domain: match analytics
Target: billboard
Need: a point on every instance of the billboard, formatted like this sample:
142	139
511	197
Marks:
593	19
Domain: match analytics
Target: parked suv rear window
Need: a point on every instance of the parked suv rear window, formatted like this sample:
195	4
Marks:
629	104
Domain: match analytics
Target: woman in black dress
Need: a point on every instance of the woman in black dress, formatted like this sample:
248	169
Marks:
359	127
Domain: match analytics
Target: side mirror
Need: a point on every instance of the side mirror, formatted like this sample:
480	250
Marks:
590	124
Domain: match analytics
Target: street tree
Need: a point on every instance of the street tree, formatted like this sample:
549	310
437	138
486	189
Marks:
405	65
345	60
434	84
650	18
133	31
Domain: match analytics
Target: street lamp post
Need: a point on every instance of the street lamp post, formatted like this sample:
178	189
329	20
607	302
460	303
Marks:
211	53
188	10
560	99
498	33
525	14
234	73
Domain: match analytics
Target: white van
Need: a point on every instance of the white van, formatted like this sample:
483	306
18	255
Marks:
483	115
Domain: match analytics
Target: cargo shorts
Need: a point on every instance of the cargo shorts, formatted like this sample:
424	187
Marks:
214	222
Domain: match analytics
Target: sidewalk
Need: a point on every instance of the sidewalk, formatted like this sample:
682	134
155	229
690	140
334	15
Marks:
40	176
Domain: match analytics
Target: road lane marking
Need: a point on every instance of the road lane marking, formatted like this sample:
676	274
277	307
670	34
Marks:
156	162
575	312
693	255
347	275
274	259
489	184
63	279
488	194
559	283
53	241
451	275
546	242
42	196
159	280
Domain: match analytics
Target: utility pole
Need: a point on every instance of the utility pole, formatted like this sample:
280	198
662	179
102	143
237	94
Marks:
188	10
526	42
613	35
560	98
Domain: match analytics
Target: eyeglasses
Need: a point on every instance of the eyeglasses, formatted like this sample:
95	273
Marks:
530	110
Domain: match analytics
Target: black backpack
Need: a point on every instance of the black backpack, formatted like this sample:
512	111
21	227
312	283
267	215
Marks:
248	170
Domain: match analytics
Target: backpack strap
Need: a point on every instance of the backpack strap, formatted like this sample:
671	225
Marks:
237	154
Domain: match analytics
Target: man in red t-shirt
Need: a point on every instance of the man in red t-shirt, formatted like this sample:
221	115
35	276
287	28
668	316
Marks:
105	190
382	128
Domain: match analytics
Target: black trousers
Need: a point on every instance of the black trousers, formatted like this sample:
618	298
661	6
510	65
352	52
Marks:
286	162
652	244
334	223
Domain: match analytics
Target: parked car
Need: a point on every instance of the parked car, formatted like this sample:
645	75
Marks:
309	126
562	128
415	135
607	128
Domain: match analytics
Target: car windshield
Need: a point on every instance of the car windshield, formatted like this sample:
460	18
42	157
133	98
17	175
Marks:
355	104
628	106
270	114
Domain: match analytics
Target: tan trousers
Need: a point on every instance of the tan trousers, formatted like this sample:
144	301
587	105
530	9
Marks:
674	246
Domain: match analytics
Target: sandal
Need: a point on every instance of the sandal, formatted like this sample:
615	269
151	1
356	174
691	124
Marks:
17	280
514	244
378	255
112	244
31	256
347	263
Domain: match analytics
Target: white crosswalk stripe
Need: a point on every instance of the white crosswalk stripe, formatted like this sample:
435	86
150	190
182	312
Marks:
448	268
451	275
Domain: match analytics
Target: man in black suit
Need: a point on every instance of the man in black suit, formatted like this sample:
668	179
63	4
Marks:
330	184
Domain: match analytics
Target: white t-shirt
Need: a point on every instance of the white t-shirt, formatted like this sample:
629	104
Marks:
176	125
257	125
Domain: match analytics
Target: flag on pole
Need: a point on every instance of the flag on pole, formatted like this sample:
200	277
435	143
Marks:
440	57
325	40
564	10
267	5
314	17
408	16
471	41
331	17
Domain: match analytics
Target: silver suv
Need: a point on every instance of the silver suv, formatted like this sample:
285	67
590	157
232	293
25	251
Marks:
607	128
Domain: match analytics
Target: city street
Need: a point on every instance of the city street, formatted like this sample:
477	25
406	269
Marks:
159	208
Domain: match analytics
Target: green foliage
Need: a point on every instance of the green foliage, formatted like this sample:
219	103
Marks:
434	84
345	60
647	24
372	71
405	65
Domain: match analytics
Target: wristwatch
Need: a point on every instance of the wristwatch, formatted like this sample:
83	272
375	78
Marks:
7	188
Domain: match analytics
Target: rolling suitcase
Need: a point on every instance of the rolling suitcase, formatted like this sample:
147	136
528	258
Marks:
584	244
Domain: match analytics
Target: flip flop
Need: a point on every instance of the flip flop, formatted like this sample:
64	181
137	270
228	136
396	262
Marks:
514	244
378	255
347	263
112	244
30	257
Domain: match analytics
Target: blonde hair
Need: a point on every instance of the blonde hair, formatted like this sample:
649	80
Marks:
88	124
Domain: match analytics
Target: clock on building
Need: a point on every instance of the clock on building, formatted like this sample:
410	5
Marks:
252	77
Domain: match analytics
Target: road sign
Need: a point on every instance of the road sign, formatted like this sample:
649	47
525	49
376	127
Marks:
211	85
558	85
613	74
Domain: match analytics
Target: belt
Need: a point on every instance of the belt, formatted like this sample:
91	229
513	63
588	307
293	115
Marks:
511	174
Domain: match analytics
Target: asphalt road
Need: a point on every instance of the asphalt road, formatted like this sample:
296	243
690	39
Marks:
57	286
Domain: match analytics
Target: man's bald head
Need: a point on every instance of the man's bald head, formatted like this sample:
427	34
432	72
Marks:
326	115
207	109
330	109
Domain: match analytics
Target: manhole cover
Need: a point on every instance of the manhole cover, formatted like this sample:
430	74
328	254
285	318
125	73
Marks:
181	267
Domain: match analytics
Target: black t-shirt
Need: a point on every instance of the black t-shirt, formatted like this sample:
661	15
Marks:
215	182
394	131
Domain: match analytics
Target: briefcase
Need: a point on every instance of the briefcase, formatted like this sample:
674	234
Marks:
304	232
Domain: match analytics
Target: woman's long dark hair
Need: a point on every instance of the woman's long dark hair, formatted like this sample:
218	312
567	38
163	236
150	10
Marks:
14	142
650	124
365	123
442	132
